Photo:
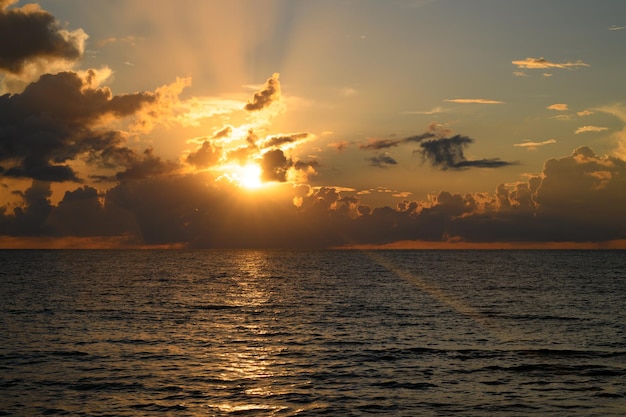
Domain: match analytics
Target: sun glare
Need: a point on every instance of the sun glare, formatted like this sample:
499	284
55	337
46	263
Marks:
249	177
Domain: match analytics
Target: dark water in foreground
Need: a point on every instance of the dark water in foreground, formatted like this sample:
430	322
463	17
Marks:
337	333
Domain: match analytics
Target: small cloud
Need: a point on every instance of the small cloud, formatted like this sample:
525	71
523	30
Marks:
348	92
585	129
473	101
434	110
107	41
558	107
531	146
266	96
585	112
382	161
375	144
546	74
563	117
404	194
520	74
613	27
338	146
536	63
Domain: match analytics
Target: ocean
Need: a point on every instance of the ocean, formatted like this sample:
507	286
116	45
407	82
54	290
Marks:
312	333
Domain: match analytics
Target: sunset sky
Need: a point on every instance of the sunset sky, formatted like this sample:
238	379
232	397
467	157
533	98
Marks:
306	124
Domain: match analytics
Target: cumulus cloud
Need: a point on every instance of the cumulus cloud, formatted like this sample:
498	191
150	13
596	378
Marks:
32	43
207	155
577	198
58	119
584	129
266	96
531	146
473	101
542	63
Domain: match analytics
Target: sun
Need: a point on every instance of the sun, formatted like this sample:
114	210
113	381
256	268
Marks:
249	177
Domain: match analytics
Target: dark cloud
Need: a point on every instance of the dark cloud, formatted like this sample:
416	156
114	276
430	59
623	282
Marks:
377	144
381	161
266	96
276	141
148	166
578	198
448	153
207	155
58	119
274	166
29	35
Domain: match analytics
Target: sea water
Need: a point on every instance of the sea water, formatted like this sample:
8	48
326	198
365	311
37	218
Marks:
300	333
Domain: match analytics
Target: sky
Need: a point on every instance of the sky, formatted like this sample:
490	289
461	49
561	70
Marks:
313	124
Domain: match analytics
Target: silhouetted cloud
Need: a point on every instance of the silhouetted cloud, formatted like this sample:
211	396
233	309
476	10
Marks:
266	96
55	120
276	141
448	153
377	144
30	35
208	154
381	161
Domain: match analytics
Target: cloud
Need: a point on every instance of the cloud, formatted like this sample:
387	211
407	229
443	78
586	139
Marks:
275	166
531	146
266	96
111	40
614	27
558	107
207	155
520	74
61	118
339	146
577	198
539	63
279	140
29	35
584	129
434	110
382	161
448	153
377	144
473	101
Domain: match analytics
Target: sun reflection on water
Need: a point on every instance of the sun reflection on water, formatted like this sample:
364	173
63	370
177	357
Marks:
248	365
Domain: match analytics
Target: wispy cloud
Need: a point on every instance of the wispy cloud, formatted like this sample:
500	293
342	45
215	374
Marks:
473	101
613	27
558	107
531	146
538	63
434	110
584	129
